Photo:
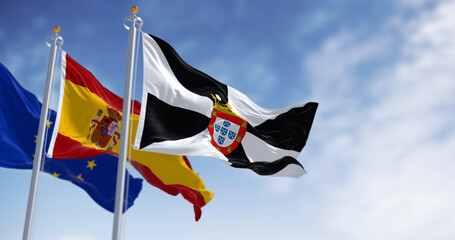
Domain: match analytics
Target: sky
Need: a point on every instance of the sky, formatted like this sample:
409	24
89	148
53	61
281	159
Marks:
380	156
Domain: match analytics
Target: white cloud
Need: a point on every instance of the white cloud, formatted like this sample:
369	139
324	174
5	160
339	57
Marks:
25	61
335	67
195	15
279	186
414	3
308	24
385	156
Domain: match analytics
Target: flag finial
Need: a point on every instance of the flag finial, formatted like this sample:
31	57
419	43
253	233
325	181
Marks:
56	29
134	10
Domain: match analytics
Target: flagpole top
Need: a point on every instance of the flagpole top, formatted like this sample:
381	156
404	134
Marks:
54	39
56	29
134	10
135	20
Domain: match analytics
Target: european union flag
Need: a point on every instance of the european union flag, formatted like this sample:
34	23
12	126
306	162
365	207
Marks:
19	119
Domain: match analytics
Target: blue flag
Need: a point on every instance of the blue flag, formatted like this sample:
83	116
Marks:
19	119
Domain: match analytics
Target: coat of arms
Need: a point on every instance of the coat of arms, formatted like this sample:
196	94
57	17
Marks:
105	129
226	128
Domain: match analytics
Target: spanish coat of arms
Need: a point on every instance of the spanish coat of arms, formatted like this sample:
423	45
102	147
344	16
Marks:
102	131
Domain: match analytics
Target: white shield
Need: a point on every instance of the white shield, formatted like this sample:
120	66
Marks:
113	128
224	132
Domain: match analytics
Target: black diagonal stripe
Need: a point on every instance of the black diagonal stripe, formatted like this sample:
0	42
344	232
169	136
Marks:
166	122
191	78
268	168
238	156
289	130
238	159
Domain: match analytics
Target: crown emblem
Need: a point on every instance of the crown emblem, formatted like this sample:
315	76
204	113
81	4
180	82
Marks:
114	114
222	107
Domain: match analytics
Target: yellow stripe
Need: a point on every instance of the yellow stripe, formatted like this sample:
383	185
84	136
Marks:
172	169
79	108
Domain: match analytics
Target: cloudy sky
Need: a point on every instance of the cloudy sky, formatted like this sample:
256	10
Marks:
381	153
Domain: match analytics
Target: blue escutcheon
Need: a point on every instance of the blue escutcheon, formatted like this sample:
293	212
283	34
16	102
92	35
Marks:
224	131
220	140
226	123
232	135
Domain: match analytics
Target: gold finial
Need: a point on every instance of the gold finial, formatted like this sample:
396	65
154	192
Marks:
56	29
134	9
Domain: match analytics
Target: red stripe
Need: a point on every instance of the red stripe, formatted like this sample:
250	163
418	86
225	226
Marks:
65	147
187	162
82	77
189	194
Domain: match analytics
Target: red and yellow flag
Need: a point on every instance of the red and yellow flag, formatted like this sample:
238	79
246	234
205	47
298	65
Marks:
88	124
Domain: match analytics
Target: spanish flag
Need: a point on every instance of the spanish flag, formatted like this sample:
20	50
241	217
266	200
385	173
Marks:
88	124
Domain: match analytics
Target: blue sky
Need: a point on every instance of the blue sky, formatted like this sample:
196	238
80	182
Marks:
380	153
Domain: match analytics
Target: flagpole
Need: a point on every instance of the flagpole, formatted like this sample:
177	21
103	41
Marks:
124	140
57	42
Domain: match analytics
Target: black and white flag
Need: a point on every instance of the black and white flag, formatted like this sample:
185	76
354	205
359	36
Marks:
186	112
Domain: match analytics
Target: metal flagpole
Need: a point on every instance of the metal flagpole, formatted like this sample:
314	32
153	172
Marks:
124	140
57	42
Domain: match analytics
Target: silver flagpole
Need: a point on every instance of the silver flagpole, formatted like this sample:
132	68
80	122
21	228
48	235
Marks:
124	140
57	42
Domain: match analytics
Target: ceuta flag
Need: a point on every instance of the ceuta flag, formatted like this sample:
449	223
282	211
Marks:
186	112
88	124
